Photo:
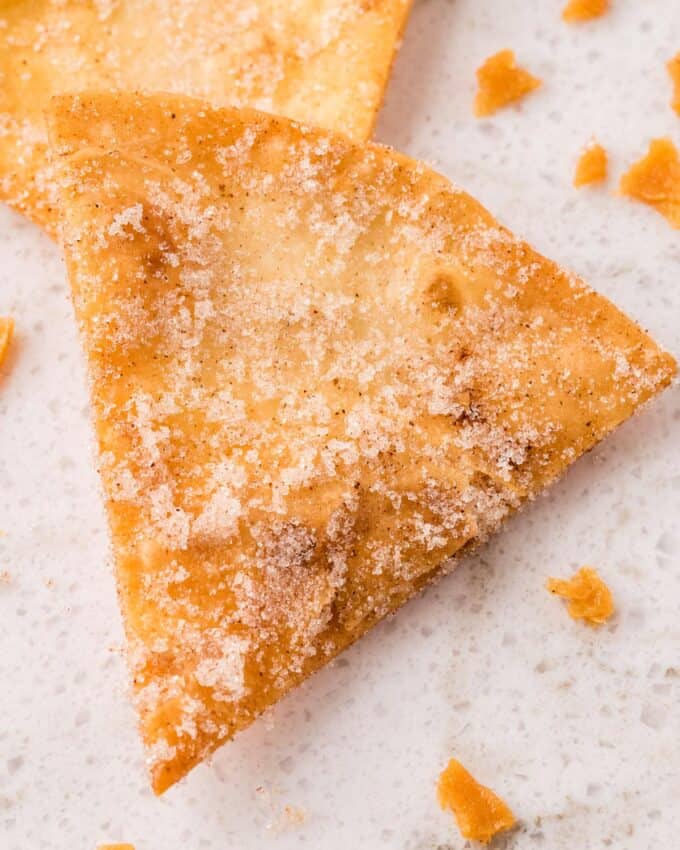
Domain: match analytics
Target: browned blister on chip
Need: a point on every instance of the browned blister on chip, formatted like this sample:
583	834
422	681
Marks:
319	372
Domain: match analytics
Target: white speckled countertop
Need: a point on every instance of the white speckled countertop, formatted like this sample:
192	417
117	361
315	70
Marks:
579	730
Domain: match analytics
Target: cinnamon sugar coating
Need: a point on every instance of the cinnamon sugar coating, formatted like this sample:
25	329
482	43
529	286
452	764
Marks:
319	373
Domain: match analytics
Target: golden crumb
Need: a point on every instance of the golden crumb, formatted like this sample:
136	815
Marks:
584	10
592	166
674	70
294	815
655	180
282	819
6	333
115	847
5	577
501	82
479	812
589	597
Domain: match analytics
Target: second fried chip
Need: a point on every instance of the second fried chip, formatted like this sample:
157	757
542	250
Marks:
324	62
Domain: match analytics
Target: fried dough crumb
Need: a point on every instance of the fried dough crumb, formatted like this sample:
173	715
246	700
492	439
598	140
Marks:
589	597
115	847
674	70
501	82
584	10
5	577
294	816
592	166
6	332
655	180
284	471
480	814
283	818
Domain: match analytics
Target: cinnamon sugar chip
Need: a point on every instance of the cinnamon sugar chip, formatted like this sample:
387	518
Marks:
655	180
6	333
319	372
674	70
577	11
502	82
592	166
325	62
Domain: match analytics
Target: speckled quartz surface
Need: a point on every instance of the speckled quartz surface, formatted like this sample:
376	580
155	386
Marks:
577	729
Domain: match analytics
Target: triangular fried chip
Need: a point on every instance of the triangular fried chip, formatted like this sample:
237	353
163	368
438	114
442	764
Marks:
318	372
324	62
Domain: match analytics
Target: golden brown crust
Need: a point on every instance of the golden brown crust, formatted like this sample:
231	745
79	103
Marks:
325	62
319	371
